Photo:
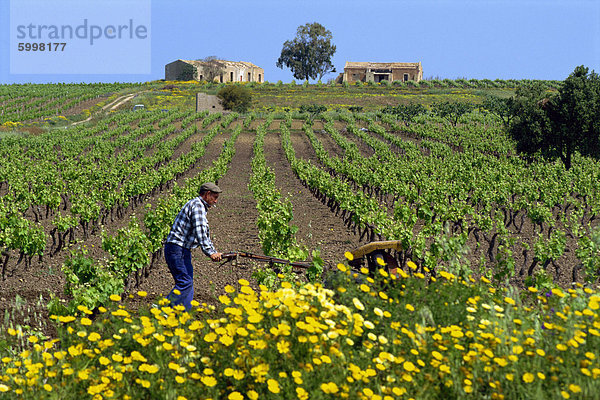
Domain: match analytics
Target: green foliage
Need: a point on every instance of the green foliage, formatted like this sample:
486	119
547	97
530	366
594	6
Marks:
575	115
540	280
18	233
452	111
530	123
451	83
236	98
558	125
87	283
275	229
312	108
309	54
128	249
588	251
312	111
500	107
451	250
487	83
406	112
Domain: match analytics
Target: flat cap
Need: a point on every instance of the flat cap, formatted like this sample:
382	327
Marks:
210	187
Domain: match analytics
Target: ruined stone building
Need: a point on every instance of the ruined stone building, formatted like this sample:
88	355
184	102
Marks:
377	72
228	71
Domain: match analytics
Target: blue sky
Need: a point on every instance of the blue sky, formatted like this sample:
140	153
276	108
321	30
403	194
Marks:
506	39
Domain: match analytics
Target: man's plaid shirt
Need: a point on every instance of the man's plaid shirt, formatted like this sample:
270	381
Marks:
190	229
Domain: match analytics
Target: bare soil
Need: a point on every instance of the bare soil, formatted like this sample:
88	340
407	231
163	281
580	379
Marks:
26	290
233	228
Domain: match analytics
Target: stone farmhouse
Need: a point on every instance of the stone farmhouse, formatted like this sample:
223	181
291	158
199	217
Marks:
232	71
377	72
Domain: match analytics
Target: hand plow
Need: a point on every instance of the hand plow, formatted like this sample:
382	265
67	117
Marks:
234	257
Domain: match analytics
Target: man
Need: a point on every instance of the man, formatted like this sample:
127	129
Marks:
190	230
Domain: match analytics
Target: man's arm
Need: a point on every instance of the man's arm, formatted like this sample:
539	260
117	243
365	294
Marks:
203	233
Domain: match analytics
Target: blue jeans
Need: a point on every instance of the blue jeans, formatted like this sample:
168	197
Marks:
179	261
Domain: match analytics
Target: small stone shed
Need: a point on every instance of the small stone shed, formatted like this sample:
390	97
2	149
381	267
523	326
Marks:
377	72
233	71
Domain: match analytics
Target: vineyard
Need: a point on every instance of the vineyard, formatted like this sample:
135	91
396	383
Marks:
84	211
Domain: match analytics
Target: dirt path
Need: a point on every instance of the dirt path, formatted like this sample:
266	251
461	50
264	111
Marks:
303	147
111	106
233	227
318	226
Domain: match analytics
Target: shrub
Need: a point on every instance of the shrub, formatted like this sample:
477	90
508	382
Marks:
312	108
452	111
236	98
489	83
461	82
439	83
449	83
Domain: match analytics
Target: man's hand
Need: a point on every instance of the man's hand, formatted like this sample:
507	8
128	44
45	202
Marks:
216	256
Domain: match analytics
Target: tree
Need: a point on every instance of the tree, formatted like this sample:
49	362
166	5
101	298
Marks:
312	110
211	68
236	98
309	54
559	125
500	107
451	111
406	112
574	116
530	124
